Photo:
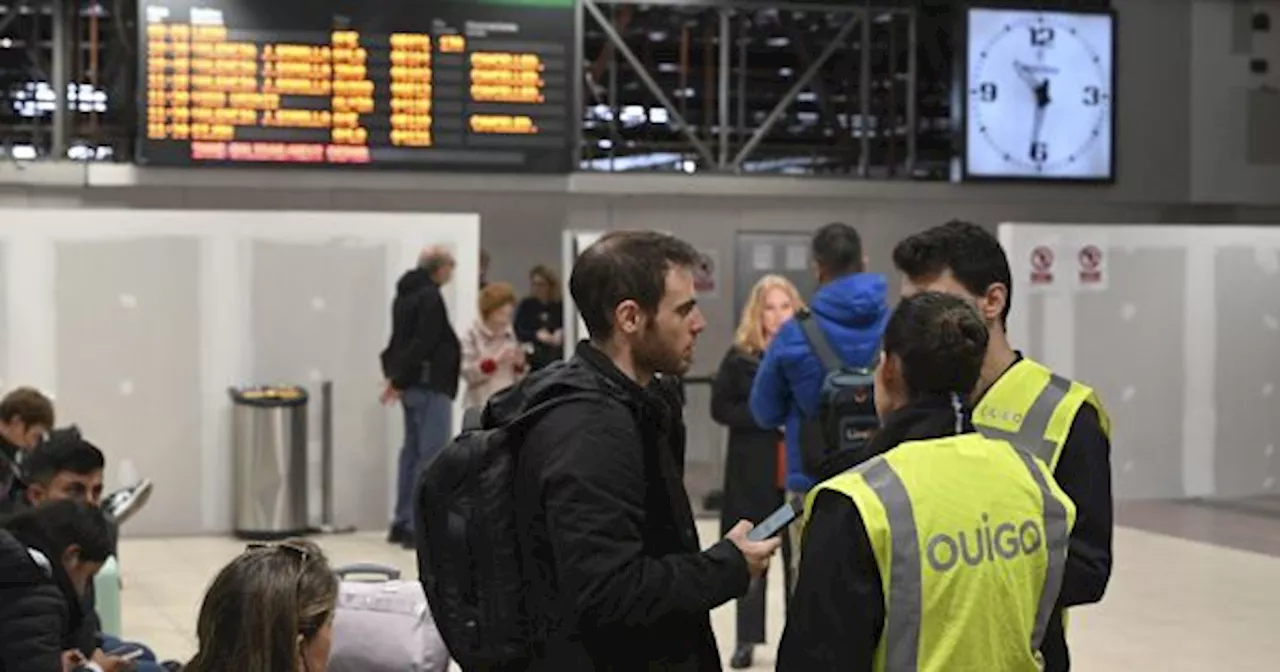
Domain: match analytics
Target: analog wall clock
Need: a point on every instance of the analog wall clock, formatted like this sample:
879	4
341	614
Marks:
1039	95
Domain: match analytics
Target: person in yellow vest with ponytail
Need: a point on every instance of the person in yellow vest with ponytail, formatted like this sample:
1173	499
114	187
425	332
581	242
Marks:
1059	420
944	552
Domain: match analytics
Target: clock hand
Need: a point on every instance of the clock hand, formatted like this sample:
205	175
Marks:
1036	125
1042	104
1042	93
1024	73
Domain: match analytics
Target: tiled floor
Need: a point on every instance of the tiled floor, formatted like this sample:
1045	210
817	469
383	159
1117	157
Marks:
1174	605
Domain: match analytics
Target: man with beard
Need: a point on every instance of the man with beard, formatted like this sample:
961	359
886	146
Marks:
616	577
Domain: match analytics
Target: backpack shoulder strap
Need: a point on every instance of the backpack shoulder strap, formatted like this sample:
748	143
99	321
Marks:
530	416
818	341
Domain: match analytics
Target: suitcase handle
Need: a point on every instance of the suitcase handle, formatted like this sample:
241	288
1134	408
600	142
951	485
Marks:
371	568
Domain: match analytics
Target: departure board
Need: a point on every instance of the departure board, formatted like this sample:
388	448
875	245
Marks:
447	85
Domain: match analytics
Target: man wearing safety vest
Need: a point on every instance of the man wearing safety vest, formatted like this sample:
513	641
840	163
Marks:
1061	421
946	551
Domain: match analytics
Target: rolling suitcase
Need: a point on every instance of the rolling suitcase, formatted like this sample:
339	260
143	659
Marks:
383	624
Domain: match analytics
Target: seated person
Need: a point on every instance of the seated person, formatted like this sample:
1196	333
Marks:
25	416
271	609
67	467
48	557
946	550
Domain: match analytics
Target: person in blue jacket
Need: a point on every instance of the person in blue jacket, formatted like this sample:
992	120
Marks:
852	308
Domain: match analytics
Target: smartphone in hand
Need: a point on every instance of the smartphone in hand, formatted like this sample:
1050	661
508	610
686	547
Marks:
776	522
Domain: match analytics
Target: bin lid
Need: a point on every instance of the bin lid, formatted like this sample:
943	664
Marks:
269	396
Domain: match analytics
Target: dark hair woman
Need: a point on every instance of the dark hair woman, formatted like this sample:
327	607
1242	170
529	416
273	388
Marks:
269	610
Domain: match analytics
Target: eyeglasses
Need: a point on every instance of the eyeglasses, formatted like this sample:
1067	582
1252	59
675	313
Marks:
259	546
303	554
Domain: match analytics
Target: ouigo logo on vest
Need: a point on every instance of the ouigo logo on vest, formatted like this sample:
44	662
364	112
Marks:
1000	414
1007	541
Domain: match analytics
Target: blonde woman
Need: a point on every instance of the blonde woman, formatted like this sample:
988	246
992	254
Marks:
492	358
751	489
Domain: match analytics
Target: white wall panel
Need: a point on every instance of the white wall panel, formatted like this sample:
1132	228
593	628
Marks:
1181	344
139	320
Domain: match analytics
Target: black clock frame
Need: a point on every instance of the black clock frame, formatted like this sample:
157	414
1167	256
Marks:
960	101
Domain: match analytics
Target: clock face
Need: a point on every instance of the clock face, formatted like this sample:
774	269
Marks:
1039	95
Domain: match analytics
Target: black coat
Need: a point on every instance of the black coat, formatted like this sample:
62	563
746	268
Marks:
424	349
533	315
751	463
35	612
616	577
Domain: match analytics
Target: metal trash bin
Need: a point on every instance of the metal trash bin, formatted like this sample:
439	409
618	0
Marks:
269	445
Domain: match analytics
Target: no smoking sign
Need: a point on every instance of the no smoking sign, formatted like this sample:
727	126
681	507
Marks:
1092	267
1042	266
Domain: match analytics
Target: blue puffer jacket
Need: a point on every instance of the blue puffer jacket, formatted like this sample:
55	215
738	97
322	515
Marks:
852	312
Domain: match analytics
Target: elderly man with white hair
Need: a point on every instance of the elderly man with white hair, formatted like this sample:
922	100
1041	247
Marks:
421	365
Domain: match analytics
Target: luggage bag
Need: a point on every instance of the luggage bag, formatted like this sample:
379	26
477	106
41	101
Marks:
383	624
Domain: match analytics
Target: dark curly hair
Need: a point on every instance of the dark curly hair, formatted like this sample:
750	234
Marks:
970	252
940	340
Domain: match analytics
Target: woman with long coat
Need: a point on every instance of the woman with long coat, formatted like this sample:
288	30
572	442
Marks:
751	489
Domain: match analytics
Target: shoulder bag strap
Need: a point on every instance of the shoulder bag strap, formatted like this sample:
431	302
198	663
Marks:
818	341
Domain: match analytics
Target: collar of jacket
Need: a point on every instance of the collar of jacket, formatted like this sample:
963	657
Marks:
55	572
595	358
931	417
489	333
664	394
8	450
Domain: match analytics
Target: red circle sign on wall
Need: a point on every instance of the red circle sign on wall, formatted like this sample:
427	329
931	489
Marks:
1042	258
1090	257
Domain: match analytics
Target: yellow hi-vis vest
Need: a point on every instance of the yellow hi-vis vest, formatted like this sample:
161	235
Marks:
1033	408
970	537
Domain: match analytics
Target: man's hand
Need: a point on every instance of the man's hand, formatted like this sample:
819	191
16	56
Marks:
545	337
557	338
112	663
72	659
390	394
757	553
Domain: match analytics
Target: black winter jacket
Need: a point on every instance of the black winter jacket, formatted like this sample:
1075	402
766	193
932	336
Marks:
751	489
617	579
36	614
424	349
533	315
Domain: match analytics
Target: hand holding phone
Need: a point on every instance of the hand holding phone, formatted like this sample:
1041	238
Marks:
756	553
779	519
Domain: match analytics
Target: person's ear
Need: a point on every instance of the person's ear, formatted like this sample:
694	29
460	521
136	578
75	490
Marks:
628	318
36	493
817	272
993	302
71	556
893	376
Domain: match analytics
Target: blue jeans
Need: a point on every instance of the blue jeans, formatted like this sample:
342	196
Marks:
428	425
114	646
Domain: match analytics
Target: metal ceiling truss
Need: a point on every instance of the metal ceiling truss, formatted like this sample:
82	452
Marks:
613	17
53	47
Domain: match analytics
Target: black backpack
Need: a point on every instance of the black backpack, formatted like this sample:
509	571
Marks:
837	438
467	541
